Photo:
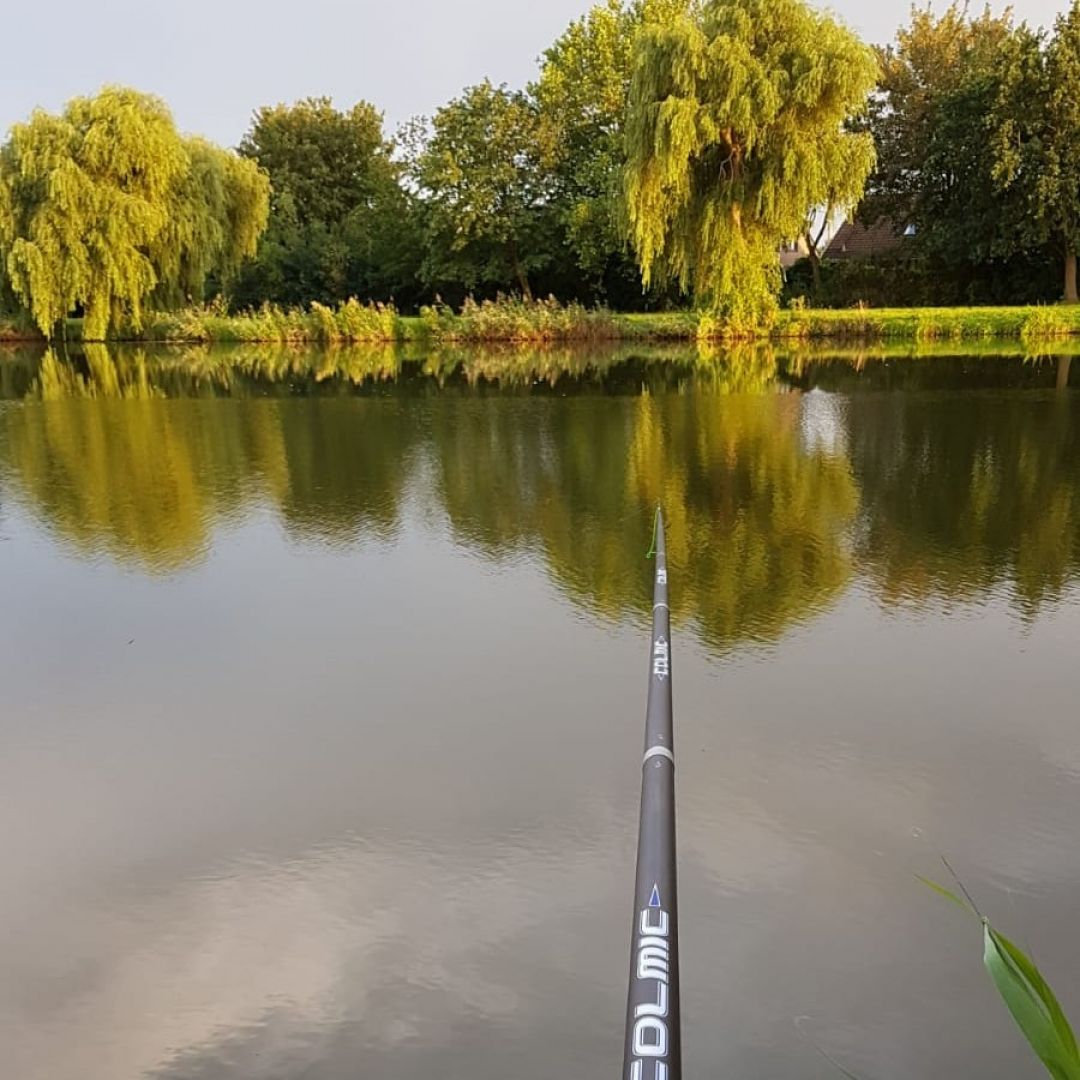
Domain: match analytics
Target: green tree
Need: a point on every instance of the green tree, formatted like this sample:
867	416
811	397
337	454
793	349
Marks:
484	177
219	210
329	161
1037	138
735	130
105	204
83	196
581	94
930	118
340	222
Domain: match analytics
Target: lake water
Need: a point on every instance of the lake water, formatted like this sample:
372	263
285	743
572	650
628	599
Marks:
323	682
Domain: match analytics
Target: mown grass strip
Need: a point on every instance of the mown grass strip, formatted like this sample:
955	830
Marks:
931	324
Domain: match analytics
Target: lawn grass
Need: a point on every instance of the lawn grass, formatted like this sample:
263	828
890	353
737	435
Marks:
1026	324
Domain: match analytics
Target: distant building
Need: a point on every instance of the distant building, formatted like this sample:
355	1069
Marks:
793	251
821	228
854	240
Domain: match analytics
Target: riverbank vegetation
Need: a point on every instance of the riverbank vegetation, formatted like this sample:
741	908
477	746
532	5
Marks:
651	166
546	321
720	168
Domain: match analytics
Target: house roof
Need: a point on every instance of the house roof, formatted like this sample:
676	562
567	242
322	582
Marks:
854	240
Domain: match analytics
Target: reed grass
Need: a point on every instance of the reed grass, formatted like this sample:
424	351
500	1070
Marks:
503	320
1024	991
513	320
349	322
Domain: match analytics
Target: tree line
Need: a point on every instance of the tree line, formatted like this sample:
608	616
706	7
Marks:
976	120
663	153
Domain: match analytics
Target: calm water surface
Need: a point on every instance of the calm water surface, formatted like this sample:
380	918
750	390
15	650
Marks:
322	684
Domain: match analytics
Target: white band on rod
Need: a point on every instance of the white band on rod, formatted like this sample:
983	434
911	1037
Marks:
659	751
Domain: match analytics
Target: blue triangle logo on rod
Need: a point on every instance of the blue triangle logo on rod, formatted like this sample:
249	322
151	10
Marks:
654	900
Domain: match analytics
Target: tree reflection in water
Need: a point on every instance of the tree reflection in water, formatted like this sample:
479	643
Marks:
775	497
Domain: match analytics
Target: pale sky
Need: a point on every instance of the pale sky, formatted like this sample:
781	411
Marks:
214	61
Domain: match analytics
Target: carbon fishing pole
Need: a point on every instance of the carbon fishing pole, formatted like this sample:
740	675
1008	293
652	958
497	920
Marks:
652	1048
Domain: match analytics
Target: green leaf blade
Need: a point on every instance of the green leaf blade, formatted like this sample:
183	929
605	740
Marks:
1032	1004
948	894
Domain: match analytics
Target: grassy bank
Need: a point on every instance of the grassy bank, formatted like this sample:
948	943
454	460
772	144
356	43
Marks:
1024	324
547	321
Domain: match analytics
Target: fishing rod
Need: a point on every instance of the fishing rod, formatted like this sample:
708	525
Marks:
652	1049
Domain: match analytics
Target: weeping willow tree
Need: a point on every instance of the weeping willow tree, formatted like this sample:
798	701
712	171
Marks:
736	130
106	204
219	210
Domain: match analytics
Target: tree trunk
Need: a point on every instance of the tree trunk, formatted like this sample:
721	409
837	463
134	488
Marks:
815	271
1071	295
523	281
814	250
1064	363
519	272
95	320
